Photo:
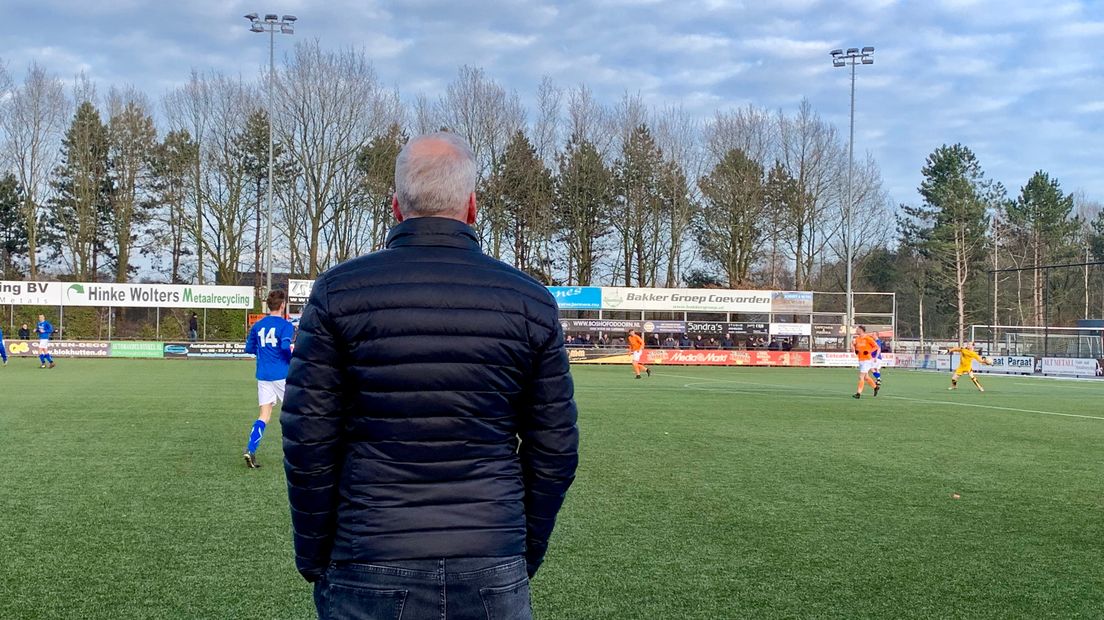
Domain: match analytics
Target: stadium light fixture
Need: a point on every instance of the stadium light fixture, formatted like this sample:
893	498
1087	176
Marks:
271	24
840	58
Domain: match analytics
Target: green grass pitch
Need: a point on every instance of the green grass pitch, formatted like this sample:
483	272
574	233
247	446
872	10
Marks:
702	493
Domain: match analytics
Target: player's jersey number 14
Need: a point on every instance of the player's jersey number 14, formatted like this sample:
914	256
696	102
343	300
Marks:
267	337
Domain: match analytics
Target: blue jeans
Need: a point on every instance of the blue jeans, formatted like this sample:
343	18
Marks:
449	589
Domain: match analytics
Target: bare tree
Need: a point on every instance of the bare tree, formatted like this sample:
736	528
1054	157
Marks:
189	110
34	122
329	107
677	133
810	151
589	121
546	129
487	116
228	211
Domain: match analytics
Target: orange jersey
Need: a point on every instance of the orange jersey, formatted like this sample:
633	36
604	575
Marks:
865	346
636	343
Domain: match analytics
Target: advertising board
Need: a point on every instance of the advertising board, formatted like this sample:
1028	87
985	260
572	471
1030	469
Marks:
1071	366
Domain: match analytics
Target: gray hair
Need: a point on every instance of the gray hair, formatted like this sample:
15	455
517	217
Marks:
430	180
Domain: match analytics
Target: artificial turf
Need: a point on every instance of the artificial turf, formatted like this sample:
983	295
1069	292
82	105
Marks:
701	493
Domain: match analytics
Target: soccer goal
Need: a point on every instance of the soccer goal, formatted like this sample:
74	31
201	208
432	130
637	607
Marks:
1039	341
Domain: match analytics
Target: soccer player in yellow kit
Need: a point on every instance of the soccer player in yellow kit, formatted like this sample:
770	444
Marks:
966	365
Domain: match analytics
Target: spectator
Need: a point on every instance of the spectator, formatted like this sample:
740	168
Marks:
684	342
727	342
429	427
712	344
24	332
774	345
699	342
193	327
669	342
787	344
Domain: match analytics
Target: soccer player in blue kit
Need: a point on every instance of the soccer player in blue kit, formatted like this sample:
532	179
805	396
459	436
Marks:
878	362
3	348
44	330
270	340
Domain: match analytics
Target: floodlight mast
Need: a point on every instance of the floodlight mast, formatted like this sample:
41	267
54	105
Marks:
840	58
272	23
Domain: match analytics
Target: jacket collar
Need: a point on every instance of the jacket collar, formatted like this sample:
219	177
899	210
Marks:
433	231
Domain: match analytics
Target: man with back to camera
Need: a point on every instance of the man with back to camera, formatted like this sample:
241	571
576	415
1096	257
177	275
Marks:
429	428
270	340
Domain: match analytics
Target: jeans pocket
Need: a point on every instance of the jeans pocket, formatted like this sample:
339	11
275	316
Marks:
352	603
507	602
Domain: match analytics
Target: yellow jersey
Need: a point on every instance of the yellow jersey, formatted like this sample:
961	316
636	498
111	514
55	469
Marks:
966	361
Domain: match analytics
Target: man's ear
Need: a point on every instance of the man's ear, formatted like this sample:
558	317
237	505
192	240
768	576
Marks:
395	208
473	210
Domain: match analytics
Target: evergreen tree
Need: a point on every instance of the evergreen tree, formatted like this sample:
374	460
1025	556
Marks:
13	230
583	201
1040	220
951	223
78	212
732	224
172	165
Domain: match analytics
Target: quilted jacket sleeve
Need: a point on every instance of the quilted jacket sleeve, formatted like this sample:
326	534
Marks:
549	446
311	419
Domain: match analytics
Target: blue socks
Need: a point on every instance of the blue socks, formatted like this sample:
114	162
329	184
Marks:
255	436
877	375
49	360
41	359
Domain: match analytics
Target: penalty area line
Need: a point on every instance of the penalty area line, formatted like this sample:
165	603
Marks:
916	400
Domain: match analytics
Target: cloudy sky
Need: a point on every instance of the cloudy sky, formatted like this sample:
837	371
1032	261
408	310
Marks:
1021	83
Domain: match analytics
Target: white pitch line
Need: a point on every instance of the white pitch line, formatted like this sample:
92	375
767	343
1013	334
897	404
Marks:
917	400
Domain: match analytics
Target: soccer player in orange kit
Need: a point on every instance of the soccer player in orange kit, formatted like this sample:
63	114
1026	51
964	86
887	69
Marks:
636	347
866	348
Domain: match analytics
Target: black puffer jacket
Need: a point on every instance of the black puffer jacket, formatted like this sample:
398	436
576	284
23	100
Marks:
416	371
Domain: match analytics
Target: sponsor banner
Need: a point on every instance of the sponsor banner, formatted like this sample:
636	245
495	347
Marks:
848	359
210	350
1009	365
1071	366
17	293
923	361
599	325
744	328
711	328
124	348
664	327
705	328
577	297
791	329
828	331
156	295
835	359
59	348
726	358
299	291
675	357
686	300
791	302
